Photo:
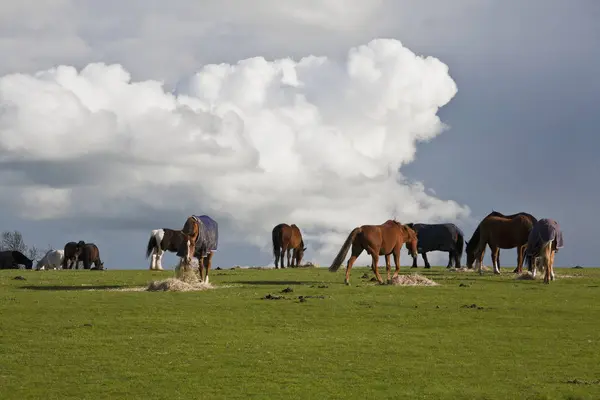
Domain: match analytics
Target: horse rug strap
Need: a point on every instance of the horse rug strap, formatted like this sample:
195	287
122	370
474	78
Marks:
208	232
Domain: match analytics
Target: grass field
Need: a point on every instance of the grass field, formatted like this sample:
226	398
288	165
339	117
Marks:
521	340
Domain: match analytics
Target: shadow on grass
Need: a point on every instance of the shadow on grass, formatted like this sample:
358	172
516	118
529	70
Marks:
74	288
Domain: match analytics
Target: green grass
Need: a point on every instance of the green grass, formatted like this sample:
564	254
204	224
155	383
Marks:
524	340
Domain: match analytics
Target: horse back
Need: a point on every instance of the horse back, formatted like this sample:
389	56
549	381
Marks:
437	237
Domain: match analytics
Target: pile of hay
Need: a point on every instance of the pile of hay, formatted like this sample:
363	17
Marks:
465	269
186	280
412	280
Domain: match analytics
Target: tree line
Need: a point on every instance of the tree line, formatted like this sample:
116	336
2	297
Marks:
14	241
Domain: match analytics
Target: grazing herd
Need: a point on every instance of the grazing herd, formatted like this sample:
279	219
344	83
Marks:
536	242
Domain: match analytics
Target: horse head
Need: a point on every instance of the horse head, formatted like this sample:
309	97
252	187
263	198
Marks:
187	248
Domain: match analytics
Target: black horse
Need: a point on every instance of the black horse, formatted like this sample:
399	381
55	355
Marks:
11	259
438	237
72	252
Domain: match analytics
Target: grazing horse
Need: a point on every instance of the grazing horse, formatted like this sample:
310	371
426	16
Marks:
53	259
162	240
201	241
438	237
91	255
285	238
473	243
72	251
544	241
502	233
377	240
11	259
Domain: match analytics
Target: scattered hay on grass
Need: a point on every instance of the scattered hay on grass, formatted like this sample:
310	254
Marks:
525	276
177	285
413	280
465	269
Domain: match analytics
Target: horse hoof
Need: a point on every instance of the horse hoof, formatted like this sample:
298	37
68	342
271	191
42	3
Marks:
389	281
347	283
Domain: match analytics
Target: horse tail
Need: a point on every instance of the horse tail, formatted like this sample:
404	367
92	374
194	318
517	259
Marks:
460	244
339	259
275	237
152	243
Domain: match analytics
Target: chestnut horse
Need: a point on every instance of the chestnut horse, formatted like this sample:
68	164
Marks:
502	233
544	241
472	244
201	241
285	238
377	240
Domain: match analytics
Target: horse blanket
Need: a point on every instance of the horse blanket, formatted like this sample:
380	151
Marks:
436	237
208	235
543	231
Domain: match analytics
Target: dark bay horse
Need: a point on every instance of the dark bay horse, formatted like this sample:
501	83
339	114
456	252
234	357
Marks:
544	241
285	238
377	240
502	233
439	237
473	243
201	235
91	255
11	259
72	252
162	240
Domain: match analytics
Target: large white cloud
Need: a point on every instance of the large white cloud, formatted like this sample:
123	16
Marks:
314	142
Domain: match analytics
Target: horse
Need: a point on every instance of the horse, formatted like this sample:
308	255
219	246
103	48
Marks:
71	252
473	243
285	238
53	259
502	233
201	235
544	241
377	240
438	237
162	240
11	259
91	255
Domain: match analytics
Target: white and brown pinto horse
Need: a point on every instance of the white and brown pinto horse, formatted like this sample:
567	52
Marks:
162	240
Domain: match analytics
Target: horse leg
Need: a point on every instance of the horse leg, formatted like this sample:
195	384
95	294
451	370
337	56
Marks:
496	266
397	263
519	259
375	258
388	268
456	260
159	255
276	251
552	252
450	257
207	261
282	259
414	261
546	261
356	250
427	265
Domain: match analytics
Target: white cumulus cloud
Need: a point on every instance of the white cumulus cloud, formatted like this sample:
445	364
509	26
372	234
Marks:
312	141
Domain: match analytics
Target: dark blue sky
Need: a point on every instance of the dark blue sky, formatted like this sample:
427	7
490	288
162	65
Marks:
524	131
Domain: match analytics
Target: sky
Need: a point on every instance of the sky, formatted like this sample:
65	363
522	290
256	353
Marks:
116	120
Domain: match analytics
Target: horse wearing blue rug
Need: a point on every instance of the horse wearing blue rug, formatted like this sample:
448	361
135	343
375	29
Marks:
544	241
438	237
202	239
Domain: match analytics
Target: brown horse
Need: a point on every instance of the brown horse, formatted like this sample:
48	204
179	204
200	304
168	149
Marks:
377	240
502	233
201	241
285	238
473	243
91	255
72	251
